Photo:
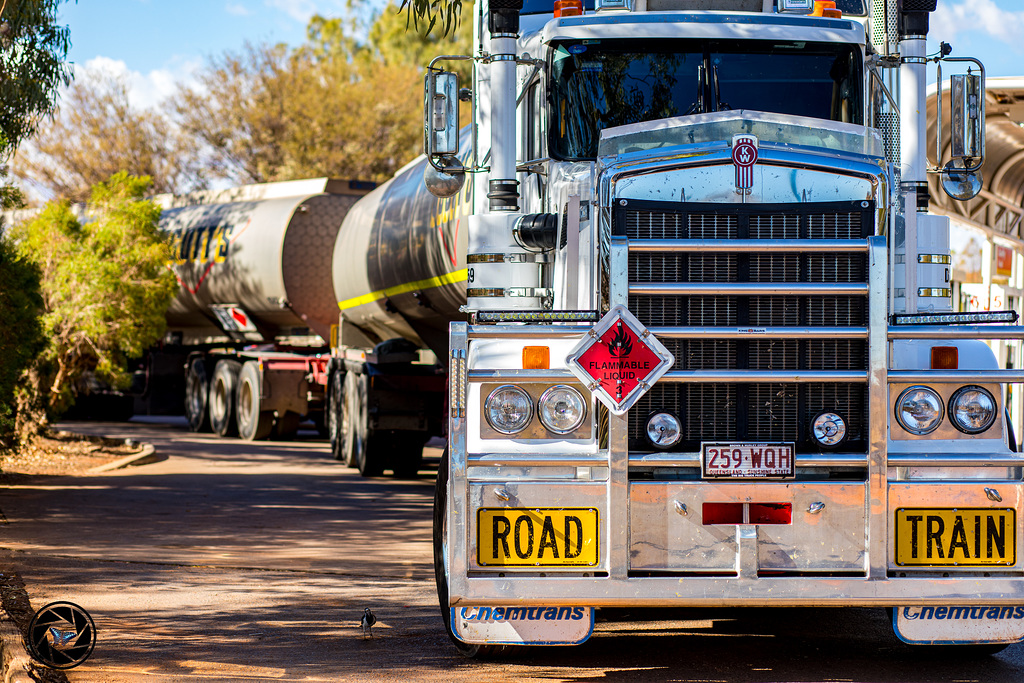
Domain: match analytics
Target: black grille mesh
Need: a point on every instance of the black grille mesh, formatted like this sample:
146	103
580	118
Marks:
758	411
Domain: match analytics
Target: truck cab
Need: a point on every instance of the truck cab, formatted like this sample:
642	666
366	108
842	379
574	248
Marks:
710	357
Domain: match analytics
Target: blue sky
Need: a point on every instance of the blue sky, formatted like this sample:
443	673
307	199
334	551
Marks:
156	43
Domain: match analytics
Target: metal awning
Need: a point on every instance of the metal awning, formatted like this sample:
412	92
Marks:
1000	205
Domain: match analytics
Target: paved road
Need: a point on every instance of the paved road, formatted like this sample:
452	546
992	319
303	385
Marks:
231	561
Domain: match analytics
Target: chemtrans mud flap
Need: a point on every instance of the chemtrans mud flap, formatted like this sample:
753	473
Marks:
523	625
959	624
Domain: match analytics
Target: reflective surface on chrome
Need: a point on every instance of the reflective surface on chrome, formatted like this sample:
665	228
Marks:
972	409
509	409
919	410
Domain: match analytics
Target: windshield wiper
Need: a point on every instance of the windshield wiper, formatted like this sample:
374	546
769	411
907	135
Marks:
719	104
698	106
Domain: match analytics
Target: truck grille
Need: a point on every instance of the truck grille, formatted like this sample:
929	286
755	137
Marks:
778	411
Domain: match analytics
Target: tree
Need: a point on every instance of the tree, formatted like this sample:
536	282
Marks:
32	67
105	289
21	337
333	106
99	133
425	14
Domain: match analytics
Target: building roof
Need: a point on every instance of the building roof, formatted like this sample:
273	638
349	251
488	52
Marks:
1000	205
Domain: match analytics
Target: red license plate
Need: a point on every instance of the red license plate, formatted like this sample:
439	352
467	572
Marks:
746	460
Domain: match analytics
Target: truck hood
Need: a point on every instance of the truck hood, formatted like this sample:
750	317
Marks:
798	132
688	159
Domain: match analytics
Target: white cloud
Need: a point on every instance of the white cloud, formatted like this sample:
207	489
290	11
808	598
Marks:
145	91
237	9
299	10
1005	26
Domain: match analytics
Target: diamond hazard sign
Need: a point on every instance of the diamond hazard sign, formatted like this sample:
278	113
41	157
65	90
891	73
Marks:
619	360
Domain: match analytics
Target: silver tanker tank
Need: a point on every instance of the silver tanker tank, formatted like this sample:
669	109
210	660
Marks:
256	261
400	261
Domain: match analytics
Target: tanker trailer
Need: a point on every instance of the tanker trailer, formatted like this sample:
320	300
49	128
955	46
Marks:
400	278
255	306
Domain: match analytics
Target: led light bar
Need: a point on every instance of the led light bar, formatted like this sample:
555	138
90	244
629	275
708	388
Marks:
536	316
954	318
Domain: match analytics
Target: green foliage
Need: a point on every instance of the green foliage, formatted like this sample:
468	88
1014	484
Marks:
21	337
105	285
393	41
334	106
426	14
32	67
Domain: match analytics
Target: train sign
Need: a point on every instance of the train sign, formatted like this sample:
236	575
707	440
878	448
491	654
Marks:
619	360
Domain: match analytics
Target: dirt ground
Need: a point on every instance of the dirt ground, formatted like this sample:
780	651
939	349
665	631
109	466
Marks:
62	453
57	453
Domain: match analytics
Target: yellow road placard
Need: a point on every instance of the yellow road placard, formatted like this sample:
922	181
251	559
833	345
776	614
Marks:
530	537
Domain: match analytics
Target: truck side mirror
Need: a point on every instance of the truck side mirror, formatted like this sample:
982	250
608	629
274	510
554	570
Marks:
441	113
444	174
968	118
961	178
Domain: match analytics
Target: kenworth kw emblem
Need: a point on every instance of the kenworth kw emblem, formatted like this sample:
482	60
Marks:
744	156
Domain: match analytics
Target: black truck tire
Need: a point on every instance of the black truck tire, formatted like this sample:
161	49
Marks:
371	454
222	397
334	417
197	395
353	421
253	424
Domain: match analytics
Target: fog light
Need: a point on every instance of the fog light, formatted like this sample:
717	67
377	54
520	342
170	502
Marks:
828	429
561	409
919	410
664	430
508	409
972	409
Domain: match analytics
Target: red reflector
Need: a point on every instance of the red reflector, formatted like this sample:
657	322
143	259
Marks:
568	8
945	358
771	513
756	513
723	513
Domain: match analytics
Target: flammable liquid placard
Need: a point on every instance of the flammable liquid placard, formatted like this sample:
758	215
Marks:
619	360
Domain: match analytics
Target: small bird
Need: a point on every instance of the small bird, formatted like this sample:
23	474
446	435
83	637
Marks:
367	622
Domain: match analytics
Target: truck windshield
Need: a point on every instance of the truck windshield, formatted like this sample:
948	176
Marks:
602	84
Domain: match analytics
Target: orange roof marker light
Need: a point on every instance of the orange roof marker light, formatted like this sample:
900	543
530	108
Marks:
826	8
571	8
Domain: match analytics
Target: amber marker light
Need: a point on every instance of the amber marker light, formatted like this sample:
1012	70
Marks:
571	8
945	358
826	8
536	358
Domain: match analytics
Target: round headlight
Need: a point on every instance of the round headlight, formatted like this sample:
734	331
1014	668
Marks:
561	409
664	430
828	429
972	409
919	410
509	409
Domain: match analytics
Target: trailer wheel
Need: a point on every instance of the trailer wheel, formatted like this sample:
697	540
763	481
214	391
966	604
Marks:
197	393
253	424
353	422
222	397
334	417
441	577
369	456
